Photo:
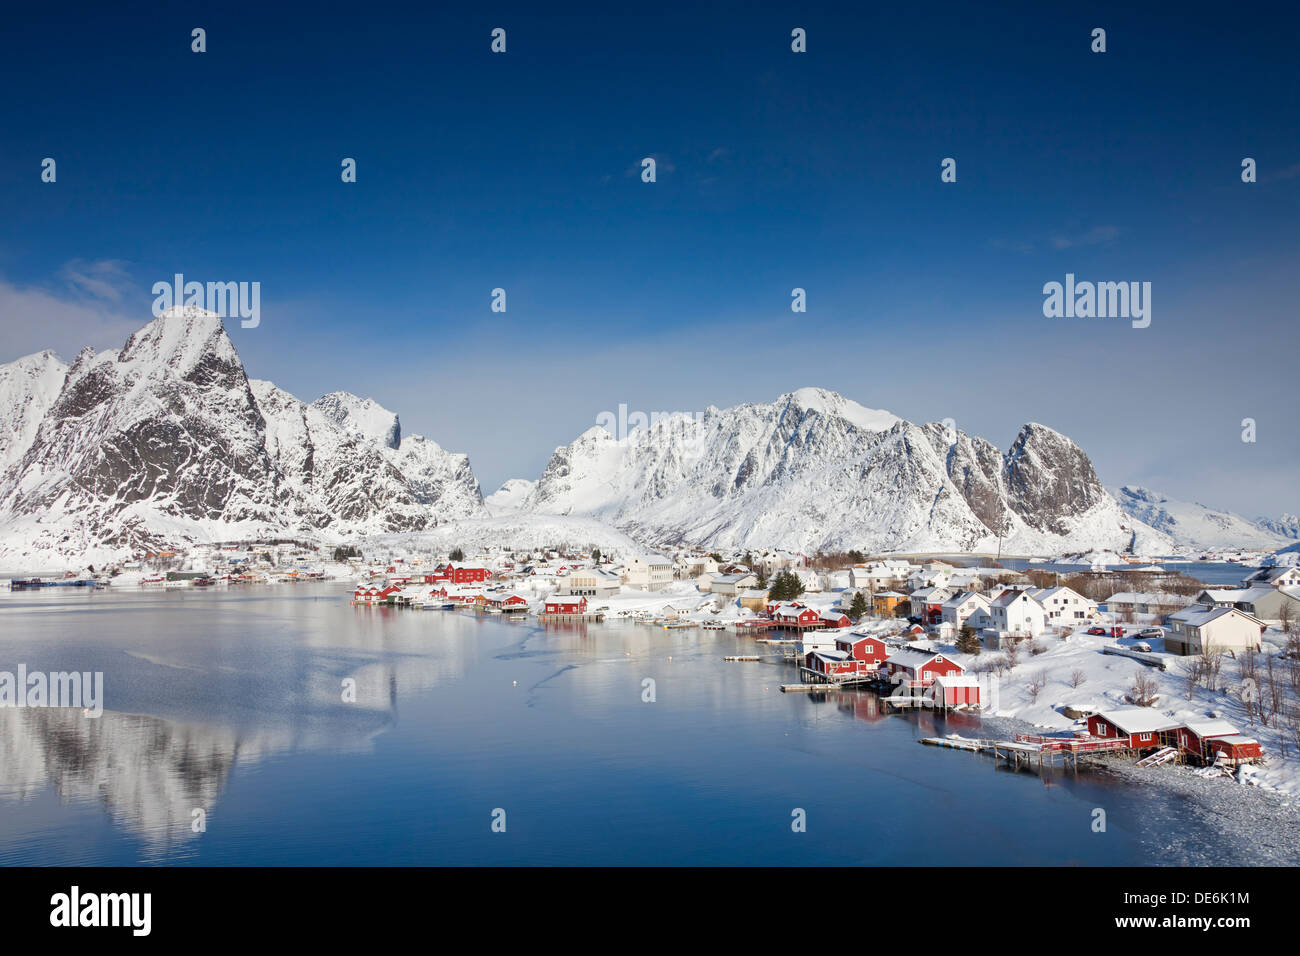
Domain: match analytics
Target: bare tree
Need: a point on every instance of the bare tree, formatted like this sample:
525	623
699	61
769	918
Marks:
1036	685
1144	689
1077	677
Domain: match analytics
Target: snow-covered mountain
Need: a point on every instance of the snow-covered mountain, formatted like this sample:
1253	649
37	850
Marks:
1195	525
510	496
167	440
28	387
814	470
1287	526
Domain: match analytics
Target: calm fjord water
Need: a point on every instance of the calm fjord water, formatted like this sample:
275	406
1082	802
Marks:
230	702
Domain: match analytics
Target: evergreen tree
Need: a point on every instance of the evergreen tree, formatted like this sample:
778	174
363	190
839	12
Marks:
786	586
967	641
457	554
859	606
595	555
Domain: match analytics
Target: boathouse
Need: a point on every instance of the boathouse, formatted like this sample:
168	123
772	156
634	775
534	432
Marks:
918	668
957	690
565	604
1235	750
870	650
1138	727
454	575
797	617
834	664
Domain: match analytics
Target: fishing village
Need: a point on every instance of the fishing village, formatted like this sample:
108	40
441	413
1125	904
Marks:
1073	659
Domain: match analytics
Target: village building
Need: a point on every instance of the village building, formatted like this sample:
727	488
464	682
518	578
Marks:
754	600
1016	612
887	603
731	585
834	665
1279	577
593	582
564	604
956	691
834	619
1197	629
926	604
870	650
957	609
1065	607
913	668
1269	604
1142	602
648	572
1138	728
457	575
796	616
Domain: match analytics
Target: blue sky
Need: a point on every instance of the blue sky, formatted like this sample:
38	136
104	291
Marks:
775	170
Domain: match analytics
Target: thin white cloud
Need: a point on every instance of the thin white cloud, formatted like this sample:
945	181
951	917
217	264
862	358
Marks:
88	303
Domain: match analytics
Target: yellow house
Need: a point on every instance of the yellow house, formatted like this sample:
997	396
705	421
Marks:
753	600
886	603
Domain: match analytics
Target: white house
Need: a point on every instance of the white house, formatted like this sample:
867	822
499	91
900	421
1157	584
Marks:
1199	628
922	599
958	609
1282	577
649	572
1018	613
1064	606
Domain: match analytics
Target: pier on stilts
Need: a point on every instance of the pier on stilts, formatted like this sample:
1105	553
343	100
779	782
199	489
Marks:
1029	751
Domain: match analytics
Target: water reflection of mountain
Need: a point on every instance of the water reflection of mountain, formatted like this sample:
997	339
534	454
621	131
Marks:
148	773
232	704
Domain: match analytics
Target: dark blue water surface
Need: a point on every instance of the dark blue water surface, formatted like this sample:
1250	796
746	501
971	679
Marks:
231	702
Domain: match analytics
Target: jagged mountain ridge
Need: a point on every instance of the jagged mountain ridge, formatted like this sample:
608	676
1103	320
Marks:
1198	526
813	470
167	440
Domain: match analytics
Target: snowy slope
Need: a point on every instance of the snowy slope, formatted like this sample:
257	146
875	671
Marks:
813	470
362	417
28	387
1194	525
510	496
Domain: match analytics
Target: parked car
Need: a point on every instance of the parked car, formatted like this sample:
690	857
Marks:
1156	632
1117	631
1142	646
1097	630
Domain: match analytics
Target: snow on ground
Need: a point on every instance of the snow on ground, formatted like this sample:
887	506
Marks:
511	531
1104	680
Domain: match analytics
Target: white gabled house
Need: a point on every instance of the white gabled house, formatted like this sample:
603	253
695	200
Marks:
1065	606
1198	629
959	608
1017	612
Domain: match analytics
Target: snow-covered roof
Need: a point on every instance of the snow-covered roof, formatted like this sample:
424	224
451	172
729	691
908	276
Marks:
911	657
1210	728
961	597
957	680
1198	615
1138	720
